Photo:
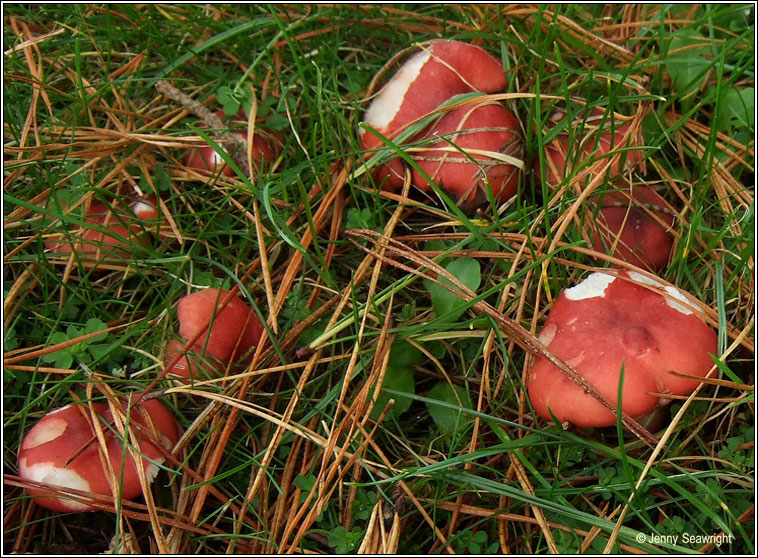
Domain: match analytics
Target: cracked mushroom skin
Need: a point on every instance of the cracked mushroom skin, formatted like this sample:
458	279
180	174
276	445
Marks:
607	322
440	70
62	450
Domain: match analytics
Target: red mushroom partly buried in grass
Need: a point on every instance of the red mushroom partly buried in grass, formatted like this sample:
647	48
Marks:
441	70
230	333
633	224
614	321
111	234
592	138
63	450
265	147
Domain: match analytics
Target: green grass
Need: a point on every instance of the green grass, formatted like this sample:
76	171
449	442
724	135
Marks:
290	456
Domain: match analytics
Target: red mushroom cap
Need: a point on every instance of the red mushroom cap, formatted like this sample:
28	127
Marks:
607	322
125	228
208	159
192	363
234	330
599	136
613	135
482	145
440	71
629	226
265	147
145	208
556	155
61	449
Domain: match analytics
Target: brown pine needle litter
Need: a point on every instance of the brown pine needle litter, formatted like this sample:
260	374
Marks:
384	410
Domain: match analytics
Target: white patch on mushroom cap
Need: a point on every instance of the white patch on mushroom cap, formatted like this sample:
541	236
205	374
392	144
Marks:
217	158
593	286
547	334
644	279
56	411
58	476
44	432
141	207
674	293
557	115
662	388
389	100
576	361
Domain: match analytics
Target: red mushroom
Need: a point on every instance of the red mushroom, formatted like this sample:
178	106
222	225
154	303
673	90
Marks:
609	322
556	154
191	363
62	450
145	208
233	332
632	225
124	233
441	70
266	145
481	146
595	137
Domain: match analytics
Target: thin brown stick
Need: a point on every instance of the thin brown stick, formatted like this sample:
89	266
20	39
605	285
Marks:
236	148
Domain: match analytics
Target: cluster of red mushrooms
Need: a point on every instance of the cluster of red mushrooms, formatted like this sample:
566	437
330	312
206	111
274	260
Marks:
437	125
471	147
83	447
82	456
